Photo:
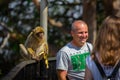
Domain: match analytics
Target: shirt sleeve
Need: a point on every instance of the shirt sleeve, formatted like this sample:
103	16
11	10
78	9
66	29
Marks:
62	60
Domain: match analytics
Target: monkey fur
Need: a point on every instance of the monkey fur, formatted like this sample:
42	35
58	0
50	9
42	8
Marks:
35	46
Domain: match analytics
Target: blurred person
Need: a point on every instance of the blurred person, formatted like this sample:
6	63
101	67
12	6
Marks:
70	60
104	61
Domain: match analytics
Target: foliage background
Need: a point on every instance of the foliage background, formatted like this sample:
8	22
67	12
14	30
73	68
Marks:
19	17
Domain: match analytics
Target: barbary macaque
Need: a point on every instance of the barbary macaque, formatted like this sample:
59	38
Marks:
35	46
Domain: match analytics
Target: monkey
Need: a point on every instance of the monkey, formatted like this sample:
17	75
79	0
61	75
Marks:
36	46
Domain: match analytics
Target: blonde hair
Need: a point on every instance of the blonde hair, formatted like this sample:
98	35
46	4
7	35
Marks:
107	43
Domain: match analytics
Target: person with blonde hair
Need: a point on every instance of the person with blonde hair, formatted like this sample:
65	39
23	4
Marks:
104	62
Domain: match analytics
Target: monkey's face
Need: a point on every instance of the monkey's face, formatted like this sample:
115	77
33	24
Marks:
38	32
40	35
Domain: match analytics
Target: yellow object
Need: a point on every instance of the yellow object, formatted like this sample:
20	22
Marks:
40	53
30	50
46	60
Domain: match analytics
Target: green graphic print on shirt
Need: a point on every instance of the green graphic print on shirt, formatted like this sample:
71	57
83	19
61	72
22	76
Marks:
79	61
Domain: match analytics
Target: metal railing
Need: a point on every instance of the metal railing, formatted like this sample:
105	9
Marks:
32	70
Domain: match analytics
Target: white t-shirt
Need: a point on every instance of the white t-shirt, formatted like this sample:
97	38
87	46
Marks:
73	60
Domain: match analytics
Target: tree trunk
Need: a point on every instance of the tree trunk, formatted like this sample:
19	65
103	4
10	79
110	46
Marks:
89	15
112	7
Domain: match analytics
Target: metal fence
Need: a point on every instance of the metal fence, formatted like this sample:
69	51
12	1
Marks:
32	70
